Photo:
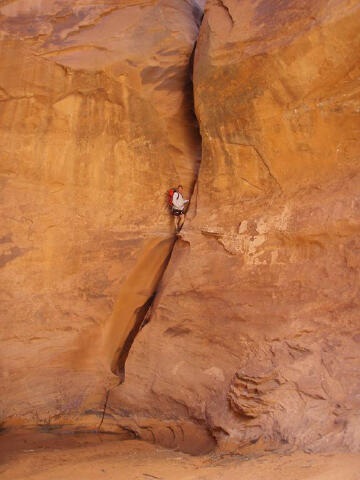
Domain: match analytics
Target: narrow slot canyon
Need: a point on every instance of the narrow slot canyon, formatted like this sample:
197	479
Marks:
132	310
228	350
139	290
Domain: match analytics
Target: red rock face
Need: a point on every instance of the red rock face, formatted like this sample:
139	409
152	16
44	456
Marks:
255	332
96	124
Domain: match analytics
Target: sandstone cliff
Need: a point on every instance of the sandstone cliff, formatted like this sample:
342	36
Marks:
255	334
96	123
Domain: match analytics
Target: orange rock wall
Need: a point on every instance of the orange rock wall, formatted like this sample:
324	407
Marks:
255	333
96	123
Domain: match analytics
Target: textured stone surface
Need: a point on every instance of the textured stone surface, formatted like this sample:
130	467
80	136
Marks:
96	123
255	333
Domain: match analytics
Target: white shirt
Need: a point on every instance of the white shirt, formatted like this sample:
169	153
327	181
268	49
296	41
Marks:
178	201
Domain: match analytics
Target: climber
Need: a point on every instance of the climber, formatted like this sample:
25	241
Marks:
178	206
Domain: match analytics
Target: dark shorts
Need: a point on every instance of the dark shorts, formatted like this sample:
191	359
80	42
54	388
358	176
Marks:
177	213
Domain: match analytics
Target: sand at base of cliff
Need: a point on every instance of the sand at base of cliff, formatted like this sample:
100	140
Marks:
47	456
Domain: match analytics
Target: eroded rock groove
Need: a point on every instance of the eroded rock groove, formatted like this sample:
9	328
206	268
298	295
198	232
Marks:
141	314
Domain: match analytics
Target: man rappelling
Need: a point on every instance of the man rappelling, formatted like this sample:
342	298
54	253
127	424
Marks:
177	203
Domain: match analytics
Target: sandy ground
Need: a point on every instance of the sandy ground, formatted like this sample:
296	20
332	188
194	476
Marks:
40	456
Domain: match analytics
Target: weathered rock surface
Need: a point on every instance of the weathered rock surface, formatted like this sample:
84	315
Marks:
96	123
255	333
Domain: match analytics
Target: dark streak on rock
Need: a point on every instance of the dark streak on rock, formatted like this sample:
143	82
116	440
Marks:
6	238
15	252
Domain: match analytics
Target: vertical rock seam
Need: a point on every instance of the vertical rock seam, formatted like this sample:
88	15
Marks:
132	291
138	292
151	268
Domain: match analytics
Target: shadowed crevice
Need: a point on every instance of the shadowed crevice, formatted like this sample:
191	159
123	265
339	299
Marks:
139	321
134	301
